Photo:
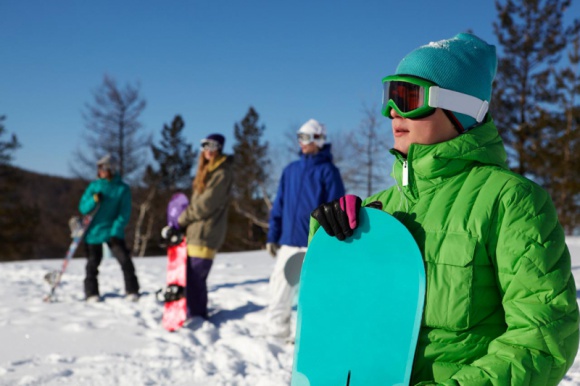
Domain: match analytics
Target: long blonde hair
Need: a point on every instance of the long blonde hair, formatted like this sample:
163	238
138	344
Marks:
203	168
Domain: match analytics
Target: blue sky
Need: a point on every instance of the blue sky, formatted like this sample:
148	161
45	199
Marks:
209	61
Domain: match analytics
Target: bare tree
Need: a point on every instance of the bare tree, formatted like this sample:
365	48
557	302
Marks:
365	166
360	154
113	127
340	148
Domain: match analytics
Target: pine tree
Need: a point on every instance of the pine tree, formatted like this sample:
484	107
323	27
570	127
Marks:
250	199
17	219
560	161
7	147
533	101
532	37
174	157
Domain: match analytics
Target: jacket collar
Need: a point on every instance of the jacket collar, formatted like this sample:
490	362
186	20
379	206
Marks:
429	165
219	160
323	155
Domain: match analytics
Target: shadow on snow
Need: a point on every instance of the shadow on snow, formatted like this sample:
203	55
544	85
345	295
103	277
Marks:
223	316
232	285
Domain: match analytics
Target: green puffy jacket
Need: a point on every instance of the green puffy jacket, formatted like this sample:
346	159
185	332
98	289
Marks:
114	209
500	304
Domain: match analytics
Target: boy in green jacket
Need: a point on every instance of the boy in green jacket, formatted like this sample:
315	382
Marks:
113	198
500	306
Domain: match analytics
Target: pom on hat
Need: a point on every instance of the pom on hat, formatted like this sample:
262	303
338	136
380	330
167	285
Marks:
464	63
314	128
220	139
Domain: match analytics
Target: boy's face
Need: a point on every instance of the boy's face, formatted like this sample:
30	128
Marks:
103	173
433	129
310	148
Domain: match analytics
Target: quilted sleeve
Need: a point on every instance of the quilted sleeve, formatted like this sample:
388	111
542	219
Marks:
539	296
87	204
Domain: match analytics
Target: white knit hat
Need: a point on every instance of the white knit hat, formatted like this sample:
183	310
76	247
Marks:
314	128
106	163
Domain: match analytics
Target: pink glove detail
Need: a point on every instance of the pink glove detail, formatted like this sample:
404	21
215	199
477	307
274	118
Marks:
350	206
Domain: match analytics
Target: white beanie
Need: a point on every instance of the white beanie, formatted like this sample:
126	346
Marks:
313	127
106	163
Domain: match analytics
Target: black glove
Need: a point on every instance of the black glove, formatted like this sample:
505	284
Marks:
172	236
272	249
340	217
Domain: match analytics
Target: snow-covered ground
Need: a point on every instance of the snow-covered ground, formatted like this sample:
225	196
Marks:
119	343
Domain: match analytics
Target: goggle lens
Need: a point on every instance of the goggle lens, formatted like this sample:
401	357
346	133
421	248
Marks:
210	145
406	96
305	138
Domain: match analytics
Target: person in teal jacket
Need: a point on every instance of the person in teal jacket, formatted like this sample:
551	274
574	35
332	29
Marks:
500	306
110	200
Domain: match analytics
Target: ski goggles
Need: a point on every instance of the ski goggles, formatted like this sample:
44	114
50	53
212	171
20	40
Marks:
416	98
306	138
209	144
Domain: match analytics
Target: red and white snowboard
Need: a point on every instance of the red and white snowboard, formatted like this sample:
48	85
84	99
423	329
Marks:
175	307
175	311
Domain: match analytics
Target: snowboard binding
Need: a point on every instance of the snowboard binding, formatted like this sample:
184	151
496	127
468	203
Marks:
171	236
170	293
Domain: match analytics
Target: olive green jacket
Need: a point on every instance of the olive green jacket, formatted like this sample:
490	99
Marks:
207	213
500	305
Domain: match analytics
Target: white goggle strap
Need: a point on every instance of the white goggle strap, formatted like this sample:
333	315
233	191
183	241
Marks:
458	102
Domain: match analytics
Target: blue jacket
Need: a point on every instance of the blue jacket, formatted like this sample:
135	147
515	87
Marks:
305	184
114	209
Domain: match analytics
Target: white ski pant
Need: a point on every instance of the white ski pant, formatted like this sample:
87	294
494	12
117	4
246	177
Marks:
282	295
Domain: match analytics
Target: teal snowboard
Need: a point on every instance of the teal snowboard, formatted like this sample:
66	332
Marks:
360	306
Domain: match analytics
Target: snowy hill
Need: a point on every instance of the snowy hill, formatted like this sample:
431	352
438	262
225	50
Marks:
120	343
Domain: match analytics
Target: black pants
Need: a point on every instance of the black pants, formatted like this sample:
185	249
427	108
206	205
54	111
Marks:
94	257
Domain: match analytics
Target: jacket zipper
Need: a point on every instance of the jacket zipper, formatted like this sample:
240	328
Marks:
405	173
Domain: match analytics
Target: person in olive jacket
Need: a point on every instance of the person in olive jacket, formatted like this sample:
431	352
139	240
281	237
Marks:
113	198
500	306
205	220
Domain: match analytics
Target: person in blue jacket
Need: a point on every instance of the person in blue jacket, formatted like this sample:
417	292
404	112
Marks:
111	198
305	184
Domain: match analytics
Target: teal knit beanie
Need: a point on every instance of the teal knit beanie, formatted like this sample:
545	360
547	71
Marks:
464	63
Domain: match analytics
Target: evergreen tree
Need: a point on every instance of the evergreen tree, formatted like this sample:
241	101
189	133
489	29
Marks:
250	198
18	221
7	147
175	158
113	127
532	37
560	161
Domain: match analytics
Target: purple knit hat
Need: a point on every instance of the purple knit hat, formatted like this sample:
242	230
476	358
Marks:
215	137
